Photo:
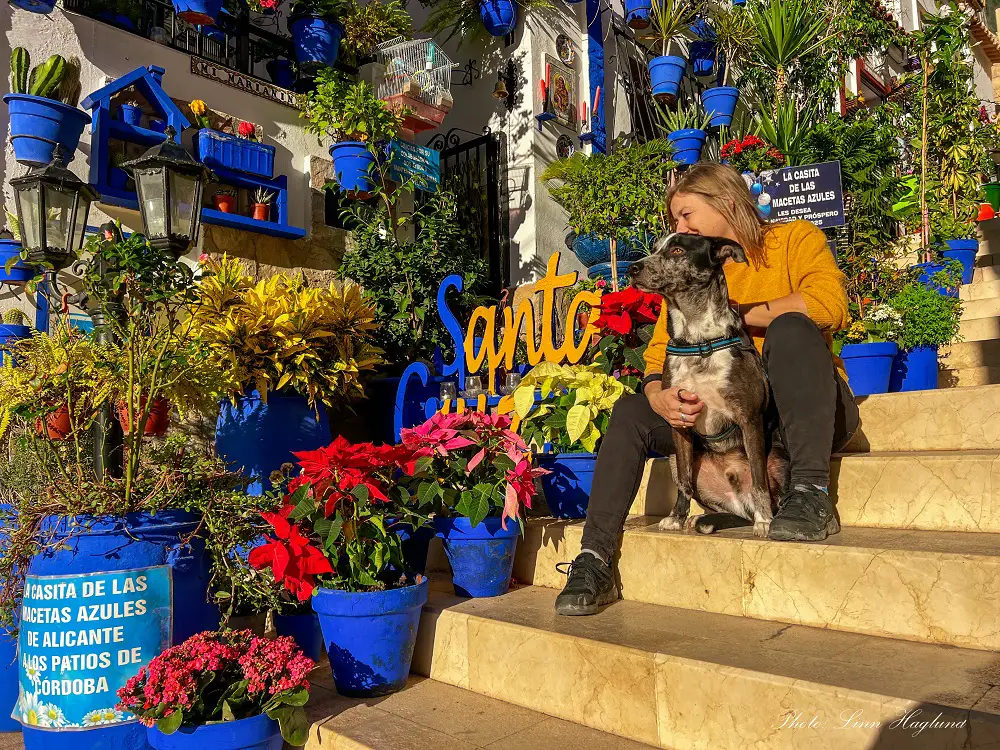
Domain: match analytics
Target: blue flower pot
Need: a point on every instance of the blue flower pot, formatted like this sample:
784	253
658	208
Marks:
914	370
927	270
130	114
481	558
868	366
591	250
34	6
8	335
720	104
256	733
8	683
110	544
316	40
965	252
37	124
702	57
118	178
567	487
416	543
498	16
259	437
702	29
352	166
305	630
215	149
370	636
637	13
19	273
603	271
280	72
665	74
198	12
687	144
157	125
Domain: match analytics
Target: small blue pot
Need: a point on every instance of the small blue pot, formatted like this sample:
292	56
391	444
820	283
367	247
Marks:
591	250
19	273
665	74
927	270
281	73
259	437
37	124
157	125
352	166
687	144
216	149
637	13
868	366
198	12
702	57
34	6
416	543
914	370
481	558
720	104
498	16
118	178
316	40
603	271
567	487
305	630
130	114
965	252
370	636
256	733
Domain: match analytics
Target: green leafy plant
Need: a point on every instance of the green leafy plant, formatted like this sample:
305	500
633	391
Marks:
786	127
670	19
929	318
682	118
346	111
460	19
321	8
735	34
263	195
367	26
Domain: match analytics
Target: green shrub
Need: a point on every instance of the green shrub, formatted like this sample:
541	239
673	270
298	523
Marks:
929	318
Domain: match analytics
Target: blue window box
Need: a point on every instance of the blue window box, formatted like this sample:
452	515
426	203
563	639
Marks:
216	149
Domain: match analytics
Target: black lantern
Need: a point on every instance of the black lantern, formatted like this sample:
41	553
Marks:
52	206
169	182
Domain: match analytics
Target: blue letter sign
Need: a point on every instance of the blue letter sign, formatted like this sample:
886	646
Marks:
82	637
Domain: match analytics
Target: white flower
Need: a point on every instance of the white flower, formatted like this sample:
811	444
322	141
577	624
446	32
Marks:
102	716
30	709
33	674
52	715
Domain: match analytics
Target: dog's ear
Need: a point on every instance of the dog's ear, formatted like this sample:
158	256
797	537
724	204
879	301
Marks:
723	248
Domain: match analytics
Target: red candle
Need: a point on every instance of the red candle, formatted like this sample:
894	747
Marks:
597	100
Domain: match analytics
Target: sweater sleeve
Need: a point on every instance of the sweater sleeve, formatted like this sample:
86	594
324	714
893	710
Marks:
656	351
814	274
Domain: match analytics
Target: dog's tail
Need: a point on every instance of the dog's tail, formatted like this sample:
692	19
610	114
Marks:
709	523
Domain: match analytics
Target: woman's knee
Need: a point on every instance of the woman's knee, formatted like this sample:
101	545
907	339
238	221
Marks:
629	411
792	330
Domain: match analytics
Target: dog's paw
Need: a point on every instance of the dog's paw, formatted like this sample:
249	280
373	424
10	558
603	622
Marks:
760	529
671	523
692	522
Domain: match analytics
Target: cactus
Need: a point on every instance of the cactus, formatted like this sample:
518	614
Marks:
15	317
46	78
20	63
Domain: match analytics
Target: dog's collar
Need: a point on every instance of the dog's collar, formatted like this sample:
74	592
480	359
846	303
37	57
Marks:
703	349
719	435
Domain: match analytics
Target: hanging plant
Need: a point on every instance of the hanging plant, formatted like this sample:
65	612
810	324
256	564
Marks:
476	20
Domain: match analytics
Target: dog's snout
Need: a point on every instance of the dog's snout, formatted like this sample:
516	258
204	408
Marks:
635	269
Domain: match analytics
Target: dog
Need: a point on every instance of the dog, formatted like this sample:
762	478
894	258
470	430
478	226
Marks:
721	459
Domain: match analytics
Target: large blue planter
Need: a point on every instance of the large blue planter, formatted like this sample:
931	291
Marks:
198	12
481	558
416	543
603	271
720	104
19	272
567	486
37	124
965	252
687	144
256	733
702	55
498	16
665	74
216	149
591	250
637	13
316	40
34	6
352	165
914	370
868	366
369	636
281	73
137	540
305	630
259	437
927	270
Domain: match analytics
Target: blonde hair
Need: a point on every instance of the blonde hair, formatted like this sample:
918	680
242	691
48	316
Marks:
723	188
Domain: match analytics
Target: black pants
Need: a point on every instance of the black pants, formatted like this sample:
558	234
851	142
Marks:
812	411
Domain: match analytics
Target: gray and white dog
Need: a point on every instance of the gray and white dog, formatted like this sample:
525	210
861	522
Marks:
721	459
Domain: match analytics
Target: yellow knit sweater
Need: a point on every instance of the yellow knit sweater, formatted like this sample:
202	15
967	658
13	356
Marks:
796	258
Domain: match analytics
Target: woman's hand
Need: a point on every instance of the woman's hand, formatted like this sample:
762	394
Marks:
679	407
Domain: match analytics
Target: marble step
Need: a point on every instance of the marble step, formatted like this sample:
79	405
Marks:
980	329
931	586
979	290
986	273
924	490
988	307
968	376
967	354
985	260
431	714
687	680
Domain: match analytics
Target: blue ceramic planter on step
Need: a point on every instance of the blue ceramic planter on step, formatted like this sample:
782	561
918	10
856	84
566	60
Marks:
37	124
256	733
965	252
719	103
914	370
687	144
927	271
868	366
305	630
567	486
481	558
665	74
370	636
215	149
498	16
316	40
352	165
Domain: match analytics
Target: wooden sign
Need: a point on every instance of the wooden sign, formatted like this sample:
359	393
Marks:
234	79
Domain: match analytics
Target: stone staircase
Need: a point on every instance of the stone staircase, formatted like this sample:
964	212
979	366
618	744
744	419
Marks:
884	636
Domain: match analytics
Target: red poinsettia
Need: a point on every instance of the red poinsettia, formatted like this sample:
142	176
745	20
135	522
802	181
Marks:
751	154
622	311
294	562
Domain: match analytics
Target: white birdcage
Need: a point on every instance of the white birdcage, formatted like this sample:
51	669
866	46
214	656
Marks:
419	69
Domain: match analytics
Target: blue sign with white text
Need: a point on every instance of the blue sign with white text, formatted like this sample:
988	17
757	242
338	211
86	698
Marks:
812	192
82	637
419	162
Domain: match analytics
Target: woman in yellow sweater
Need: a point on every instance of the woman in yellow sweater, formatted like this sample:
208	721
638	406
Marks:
791	298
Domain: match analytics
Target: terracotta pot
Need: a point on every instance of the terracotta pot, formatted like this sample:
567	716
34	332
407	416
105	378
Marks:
224	203
57	425
262	211
156	423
